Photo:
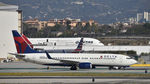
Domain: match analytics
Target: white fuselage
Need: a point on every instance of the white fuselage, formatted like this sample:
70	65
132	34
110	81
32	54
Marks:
94	59
63	41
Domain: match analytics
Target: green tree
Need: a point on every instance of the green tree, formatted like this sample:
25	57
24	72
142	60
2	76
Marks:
147	25
46	32
29	31
68	24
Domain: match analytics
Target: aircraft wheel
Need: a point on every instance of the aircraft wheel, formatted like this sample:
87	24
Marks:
111	67
73	67
119	68
124	68
93	67
48	68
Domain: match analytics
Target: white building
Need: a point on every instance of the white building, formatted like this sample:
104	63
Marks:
139	16
143	17
8	22
146	16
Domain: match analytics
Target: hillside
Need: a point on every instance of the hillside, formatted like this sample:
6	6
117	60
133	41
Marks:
103	11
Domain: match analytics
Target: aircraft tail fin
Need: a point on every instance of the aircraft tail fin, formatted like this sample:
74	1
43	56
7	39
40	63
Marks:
21	45
79	47
26	39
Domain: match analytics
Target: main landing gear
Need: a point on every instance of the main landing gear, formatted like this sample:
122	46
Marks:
93	67
48	68
116	68
73	67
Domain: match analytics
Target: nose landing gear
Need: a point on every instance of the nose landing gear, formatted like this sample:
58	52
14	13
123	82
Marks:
116	68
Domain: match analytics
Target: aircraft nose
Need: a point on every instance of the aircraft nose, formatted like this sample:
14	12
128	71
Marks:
134	61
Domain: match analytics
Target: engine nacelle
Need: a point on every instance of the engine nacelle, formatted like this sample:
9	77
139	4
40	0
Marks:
85	65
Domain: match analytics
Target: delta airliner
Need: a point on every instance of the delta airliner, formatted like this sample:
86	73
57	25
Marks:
75	60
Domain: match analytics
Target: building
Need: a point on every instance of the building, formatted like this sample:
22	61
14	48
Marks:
20	30
83	23
73	24
51	23
35	23
139	17
91	22
149	17
8	22
42	24
132	20
143	17
146	16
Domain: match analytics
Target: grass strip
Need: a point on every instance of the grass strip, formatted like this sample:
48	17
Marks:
76	74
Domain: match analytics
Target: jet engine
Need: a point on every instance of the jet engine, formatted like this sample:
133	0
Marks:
85	65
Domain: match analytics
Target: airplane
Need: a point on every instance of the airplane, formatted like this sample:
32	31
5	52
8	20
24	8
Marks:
75	60
77	50
65	43
43	42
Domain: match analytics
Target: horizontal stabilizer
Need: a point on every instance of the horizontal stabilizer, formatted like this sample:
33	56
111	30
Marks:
17	55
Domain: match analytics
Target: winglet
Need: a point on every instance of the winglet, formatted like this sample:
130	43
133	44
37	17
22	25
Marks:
48	56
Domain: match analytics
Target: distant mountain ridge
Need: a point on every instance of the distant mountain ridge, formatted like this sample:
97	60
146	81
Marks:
102	11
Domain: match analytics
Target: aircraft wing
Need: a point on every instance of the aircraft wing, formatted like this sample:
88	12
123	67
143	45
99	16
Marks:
68	61
63	60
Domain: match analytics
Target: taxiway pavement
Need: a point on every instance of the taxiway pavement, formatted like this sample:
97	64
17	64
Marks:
29	67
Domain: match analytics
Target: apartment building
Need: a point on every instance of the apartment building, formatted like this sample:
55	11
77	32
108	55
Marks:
35	23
